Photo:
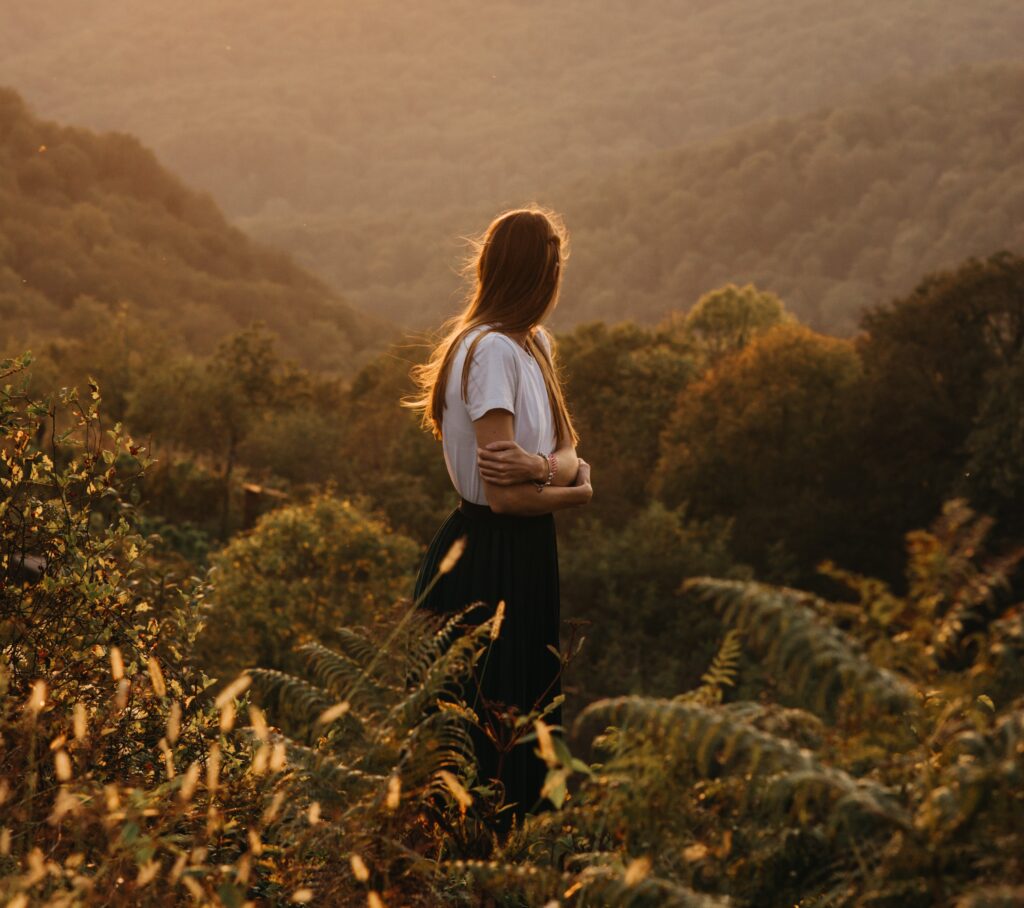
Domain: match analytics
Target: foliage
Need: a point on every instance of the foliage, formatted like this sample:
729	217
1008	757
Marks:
958	599
877	766
93	227
939	397
895	802
624	586
385	455
215	405
104	726
724	321
68	550
305	571
122	782
622	381
369	174
761	439
832	210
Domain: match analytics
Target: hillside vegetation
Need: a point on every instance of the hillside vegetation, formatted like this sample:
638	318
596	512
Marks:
366	138
834	210
861	748
97	237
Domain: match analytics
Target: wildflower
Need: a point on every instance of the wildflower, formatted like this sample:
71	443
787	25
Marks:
235	689
36	699
333	712
637	870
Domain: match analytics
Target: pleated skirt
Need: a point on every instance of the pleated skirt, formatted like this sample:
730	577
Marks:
513	559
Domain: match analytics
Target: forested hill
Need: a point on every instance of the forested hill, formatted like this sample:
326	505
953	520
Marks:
358	103
367	136
833	211
92	224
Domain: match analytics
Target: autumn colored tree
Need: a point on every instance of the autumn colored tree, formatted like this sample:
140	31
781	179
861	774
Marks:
622	382
761	439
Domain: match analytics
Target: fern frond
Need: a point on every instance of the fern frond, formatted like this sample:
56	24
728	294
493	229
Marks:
299	700
446	671
426	648
717	743
440	741
337	673
817	661
722	672
356	644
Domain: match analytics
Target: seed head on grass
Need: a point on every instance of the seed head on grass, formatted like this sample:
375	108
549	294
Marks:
453	555
463	797
499	616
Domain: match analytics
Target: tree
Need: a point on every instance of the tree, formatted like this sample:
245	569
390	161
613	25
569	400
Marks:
624	580
304	572
726	320
938	393
212	405
761	439
621	383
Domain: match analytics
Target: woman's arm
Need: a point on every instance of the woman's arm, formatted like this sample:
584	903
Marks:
505	463
568	465
522	497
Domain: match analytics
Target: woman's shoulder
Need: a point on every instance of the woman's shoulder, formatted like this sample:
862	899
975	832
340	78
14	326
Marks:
492	342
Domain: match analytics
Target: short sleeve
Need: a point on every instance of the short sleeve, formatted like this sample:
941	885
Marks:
493	376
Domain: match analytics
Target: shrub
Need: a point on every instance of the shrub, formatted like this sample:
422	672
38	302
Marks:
304	572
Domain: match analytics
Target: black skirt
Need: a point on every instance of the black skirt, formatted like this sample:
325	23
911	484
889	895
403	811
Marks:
512	559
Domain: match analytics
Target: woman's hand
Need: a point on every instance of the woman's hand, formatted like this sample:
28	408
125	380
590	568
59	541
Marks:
583	478
504	463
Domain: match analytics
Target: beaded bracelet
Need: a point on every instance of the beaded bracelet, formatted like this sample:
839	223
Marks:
552	469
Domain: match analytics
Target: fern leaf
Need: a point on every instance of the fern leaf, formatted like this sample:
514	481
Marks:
718	743
302	702
454	664
337	673
426	648
802	649
721	673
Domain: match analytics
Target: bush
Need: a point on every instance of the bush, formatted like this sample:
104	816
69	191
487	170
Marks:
304	572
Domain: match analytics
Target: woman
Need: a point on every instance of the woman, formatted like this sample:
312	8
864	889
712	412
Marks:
490	391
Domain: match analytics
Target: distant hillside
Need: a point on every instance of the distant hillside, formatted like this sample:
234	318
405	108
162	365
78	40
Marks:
833	211
367	135
89	220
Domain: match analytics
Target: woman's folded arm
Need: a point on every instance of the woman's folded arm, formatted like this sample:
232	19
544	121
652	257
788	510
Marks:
523	497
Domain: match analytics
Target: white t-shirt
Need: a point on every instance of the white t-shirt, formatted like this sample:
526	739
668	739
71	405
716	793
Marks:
502	376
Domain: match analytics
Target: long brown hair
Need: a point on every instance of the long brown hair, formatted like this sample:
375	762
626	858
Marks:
516	269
